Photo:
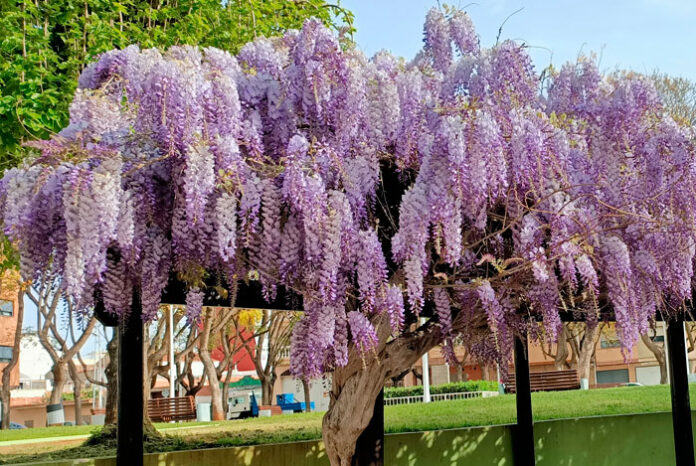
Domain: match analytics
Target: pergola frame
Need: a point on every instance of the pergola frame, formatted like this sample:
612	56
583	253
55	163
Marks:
370	445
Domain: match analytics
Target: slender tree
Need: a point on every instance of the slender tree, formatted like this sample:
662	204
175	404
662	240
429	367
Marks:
59	339
273	331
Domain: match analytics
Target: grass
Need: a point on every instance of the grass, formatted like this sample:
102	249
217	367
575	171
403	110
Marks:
403	418
65	431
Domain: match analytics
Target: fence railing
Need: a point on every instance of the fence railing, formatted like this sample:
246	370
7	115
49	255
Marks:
404	400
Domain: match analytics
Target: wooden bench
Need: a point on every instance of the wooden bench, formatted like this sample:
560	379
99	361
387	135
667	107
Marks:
181	408
548	381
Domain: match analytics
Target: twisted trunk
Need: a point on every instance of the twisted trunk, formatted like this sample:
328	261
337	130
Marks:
356	386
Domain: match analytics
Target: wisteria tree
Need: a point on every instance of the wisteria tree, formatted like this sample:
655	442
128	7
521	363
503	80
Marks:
458	186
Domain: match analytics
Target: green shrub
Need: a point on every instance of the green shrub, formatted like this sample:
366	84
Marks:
452	387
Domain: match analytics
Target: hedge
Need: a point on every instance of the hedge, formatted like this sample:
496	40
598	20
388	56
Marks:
452	387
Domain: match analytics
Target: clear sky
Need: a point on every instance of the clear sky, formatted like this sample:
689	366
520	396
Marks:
642	35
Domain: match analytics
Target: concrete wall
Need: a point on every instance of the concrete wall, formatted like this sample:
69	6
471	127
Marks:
628	440
36	414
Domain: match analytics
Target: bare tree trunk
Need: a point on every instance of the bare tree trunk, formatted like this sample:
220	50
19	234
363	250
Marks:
226	390
267	383
204	353
60	378
307	397
560	360
218	414
459	377
659	353
111	373
77	392
587	350
7	371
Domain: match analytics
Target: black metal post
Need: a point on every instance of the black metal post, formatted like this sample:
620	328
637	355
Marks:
679	386
523	438
369	449
129	451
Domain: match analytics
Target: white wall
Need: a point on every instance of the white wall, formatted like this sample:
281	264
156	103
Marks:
648	375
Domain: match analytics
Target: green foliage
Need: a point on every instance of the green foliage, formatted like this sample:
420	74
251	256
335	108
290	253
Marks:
86	395
453	387
45	45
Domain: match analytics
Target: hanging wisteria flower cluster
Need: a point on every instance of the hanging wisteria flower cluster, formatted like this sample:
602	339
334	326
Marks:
378	189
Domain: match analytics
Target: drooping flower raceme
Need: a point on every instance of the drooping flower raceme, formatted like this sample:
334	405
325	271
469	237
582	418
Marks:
380	190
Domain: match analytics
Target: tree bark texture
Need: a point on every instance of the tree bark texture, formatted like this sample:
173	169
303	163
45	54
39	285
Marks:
356	386
111	373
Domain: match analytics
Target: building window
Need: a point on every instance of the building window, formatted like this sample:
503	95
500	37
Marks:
6	308
615	376
5	353
658	338
609	342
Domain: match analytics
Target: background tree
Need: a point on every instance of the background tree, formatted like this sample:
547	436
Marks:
678	95
46	45
273	330
61	340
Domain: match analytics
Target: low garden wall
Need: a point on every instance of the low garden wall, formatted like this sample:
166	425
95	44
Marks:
634	439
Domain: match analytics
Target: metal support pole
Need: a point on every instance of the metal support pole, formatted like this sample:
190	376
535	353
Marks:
426	373
369	449
172	370
426	379
679	387
129	450
523	439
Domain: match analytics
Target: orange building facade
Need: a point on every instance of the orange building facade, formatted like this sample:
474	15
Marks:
8	325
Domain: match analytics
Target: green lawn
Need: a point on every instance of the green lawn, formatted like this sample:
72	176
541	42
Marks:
63	431
404	418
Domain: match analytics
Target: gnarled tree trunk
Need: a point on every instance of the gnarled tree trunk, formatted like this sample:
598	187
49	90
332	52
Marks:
356	386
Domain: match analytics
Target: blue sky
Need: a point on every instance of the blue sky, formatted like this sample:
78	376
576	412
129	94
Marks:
642	35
